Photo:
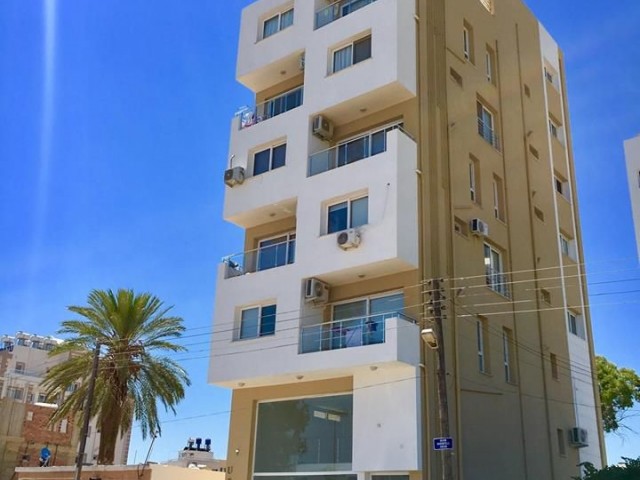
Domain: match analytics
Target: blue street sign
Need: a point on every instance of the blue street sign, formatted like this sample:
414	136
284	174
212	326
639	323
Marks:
444	443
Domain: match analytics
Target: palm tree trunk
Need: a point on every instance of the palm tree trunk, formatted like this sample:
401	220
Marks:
109	430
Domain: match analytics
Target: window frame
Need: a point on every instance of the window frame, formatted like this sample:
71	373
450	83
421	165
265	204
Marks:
499	211
349	201
474	180
467	42
289	244
351	45
490	65
575	324
482	345
487	124
271	149
279	16
507	355
493	271
259	324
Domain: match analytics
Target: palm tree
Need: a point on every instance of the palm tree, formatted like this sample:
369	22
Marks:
133	374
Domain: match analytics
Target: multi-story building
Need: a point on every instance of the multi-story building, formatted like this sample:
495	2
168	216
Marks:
632	155
394	142
24	361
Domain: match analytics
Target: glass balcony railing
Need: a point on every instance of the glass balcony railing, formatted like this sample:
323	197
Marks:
269	255
365	146
271	108
351	332
338	10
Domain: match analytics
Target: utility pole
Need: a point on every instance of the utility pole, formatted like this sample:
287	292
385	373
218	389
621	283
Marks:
87	411
437	306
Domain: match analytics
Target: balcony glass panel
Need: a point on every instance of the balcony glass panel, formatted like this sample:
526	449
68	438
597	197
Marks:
272	107
365	146
338	10
272	253
347	333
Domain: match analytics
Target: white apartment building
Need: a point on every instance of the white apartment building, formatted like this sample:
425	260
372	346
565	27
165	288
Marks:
632	155
393	142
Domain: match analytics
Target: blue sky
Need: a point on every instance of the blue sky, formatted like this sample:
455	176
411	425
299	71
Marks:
114	123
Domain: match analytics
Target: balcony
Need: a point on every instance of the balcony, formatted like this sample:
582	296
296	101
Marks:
349	333
338	10
365	146
272	108
272	253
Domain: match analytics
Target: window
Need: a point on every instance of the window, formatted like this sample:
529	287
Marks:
482	338
258	322
20	366
507	354
277	251
48	346
490	65
498	199
305	435
551	76
467	42
474	180
362	322
269	159
495	277
562	449
576	325
15	393
35	344
21	342
63	425
29	397
548	75
348	214
276	23
554	366
562	186
353	53
556	130
486	125
42	398
567	247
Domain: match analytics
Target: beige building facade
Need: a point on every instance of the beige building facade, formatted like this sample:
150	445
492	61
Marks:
394	142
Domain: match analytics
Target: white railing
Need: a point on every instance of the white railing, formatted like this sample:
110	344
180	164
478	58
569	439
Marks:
263	258
338	10
271	108
348	333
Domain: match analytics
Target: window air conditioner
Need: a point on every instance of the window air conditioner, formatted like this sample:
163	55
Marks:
322	128
315	291
234	176
479	228
349	239
579	437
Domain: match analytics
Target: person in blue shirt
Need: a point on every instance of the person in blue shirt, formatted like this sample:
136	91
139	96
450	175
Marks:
45	455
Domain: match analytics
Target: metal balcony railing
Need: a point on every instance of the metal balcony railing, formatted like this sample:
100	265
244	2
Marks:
488	133
263	258
338	10
351	332
365	146
271	108
497	281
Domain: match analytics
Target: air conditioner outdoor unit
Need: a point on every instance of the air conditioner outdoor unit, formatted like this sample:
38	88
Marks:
479	228
322	128
349	239
234	176
315	291
579	437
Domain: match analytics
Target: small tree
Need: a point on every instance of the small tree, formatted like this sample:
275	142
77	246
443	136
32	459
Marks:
629	471
619	390
133	375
